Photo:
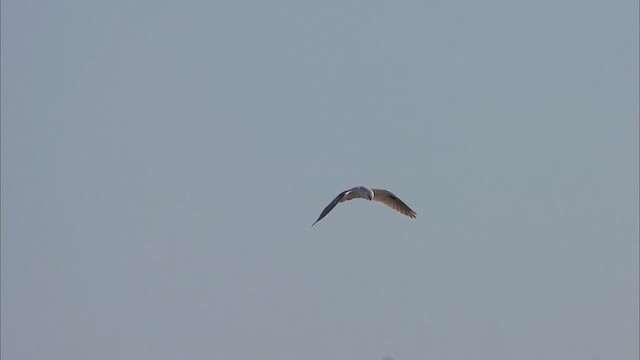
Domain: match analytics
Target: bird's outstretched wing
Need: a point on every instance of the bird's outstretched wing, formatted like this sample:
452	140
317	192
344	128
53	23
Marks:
331	205
392	201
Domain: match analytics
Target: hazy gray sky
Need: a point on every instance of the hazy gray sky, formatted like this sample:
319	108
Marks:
163	161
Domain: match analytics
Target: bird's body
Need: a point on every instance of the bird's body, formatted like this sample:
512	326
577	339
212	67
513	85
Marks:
361	192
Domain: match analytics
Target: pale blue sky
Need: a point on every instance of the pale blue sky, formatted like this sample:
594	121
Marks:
162	163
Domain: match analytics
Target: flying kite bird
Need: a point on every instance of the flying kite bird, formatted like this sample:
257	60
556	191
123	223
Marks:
361	192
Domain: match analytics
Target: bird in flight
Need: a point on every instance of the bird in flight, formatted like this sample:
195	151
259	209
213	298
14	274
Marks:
361	192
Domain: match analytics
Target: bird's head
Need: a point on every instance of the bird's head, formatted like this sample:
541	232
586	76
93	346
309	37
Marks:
368	193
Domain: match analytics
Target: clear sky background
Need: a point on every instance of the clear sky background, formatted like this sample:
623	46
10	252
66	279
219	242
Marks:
163	161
